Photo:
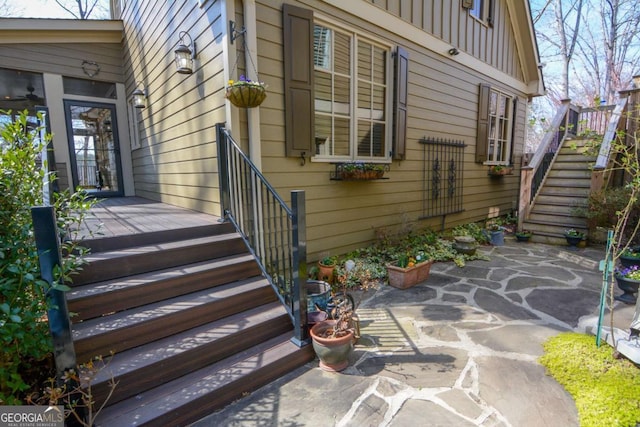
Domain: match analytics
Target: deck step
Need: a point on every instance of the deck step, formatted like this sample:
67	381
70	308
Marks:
131	328
139	368
141	259
105	244
96	299
192	396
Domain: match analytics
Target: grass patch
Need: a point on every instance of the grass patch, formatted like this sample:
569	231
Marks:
606	390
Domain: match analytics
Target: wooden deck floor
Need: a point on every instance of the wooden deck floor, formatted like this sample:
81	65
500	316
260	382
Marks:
133	215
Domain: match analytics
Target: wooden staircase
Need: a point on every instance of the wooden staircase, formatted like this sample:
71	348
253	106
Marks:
190	321
566	187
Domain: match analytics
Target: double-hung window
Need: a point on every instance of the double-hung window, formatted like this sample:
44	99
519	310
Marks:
500	122
352	96
482	10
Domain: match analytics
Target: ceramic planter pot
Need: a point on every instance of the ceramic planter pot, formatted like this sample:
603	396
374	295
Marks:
573	241
403	278
629	288
332	352
466	245
318	293
522	237
628	261
325	272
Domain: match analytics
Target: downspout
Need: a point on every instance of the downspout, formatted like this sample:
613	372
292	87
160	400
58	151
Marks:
251	56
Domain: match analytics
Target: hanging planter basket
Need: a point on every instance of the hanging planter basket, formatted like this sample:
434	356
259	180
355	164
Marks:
246	95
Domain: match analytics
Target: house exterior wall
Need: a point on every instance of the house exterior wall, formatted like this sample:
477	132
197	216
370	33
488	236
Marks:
176	160
443	103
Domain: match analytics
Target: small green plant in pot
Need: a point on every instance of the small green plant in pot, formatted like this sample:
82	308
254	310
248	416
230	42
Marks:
326	268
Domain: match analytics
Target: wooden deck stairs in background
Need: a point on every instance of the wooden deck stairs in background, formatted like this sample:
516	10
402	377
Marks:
566	187
191	322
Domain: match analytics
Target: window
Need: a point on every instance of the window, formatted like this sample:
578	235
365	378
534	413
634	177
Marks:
351	96
482	10
84	87
500	122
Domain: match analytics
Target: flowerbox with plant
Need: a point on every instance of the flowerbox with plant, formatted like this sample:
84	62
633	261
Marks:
500	170
246	93
359	170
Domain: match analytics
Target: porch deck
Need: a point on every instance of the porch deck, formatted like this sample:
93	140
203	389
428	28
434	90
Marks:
122	216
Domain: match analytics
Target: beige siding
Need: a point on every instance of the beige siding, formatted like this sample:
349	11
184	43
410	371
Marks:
448	21
176	161
65	59
443	103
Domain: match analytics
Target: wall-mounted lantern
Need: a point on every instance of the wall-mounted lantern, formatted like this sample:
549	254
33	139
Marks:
185	54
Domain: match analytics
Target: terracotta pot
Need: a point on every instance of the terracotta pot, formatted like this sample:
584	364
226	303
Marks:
403	278
332	352
325	272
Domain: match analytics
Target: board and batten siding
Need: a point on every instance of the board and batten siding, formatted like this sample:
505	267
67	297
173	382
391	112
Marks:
447	20
442	103
176	162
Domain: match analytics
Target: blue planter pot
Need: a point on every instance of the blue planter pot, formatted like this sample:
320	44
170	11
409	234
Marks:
496	238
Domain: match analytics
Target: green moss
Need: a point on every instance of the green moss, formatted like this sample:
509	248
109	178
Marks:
606	390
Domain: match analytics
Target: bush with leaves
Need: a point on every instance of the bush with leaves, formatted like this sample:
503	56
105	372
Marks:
24	331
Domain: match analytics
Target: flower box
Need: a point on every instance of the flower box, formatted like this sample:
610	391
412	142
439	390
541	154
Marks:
499	170
403	278
359	171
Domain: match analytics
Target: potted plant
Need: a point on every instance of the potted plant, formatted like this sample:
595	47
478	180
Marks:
630	257
333	339
628	279
326	268
524	235
360	171
409	270
465	244
573	237
245	93
496	234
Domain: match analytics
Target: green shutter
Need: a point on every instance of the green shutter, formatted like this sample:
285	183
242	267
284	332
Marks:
483	123
400	103
298	80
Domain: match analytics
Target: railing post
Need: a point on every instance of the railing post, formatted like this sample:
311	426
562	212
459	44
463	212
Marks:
223	169
526	180
299	273
48	245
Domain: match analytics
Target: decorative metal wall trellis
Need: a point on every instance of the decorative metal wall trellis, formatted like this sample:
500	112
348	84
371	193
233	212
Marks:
443	162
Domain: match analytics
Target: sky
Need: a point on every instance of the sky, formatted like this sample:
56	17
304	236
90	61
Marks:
48	9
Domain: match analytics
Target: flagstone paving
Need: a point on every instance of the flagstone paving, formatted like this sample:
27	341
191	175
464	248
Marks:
460	349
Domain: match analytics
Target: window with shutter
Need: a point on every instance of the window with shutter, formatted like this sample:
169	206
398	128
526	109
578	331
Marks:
481	10
495	122
352	95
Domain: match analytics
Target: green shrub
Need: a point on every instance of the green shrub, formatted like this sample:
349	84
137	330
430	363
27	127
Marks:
24	332
606	390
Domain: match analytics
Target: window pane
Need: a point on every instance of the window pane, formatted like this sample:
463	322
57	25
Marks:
378	103
378	140
364	100
73	86
323	91
493	103
364	60
341	143
342	54
323	134
342	95
322	47
364	138
379	65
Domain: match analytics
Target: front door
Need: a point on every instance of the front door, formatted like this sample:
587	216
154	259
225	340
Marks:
94	148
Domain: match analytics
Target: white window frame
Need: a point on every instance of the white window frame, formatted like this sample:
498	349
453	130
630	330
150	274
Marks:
480	10
352	111
506	125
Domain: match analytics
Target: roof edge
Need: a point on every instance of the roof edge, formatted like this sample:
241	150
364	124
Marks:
39	30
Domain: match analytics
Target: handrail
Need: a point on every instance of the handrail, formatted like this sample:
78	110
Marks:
605	148
552	139
274	233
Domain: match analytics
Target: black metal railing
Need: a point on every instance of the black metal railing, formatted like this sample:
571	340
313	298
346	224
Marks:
274	232
549	147
442	176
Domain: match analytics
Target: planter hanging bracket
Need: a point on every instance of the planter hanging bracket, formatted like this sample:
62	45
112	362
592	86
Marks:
234	34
